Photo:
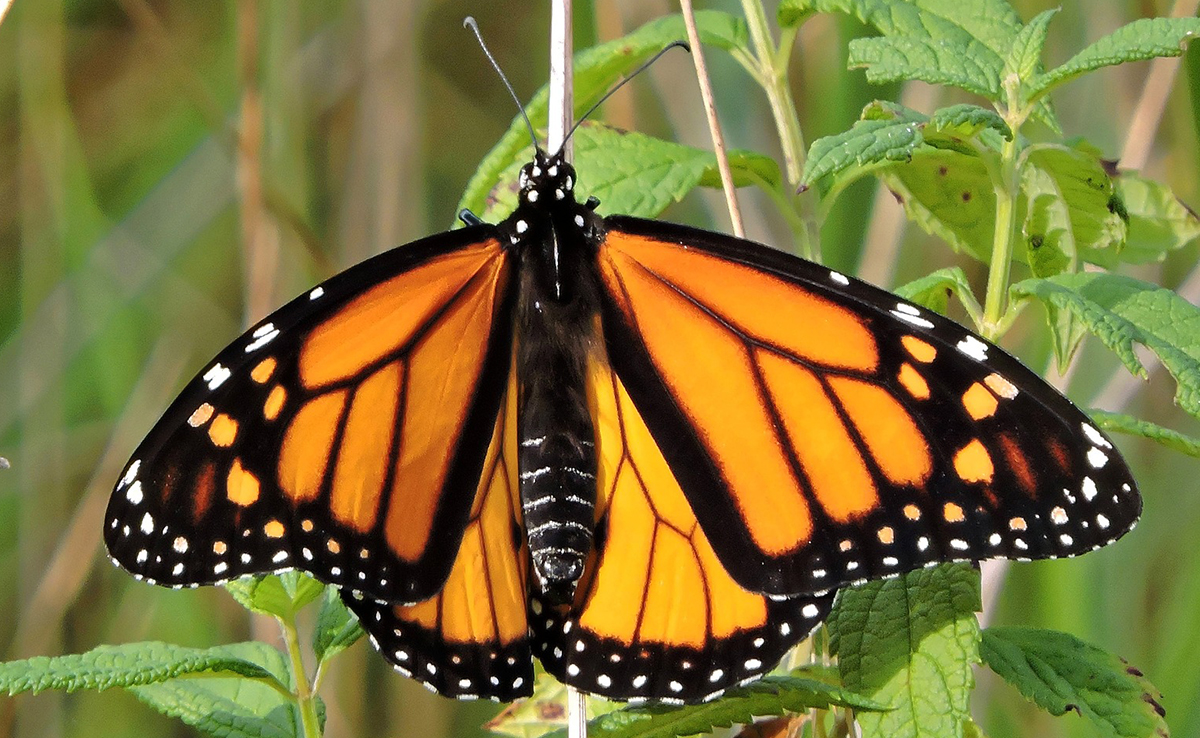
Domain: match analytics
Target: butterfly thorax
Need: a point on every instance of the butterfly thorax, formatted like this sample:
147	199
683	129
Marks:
557	306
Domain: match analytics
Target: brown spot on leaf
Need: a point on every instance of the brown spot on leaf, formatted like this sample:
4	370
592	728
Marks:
1162	712
966	196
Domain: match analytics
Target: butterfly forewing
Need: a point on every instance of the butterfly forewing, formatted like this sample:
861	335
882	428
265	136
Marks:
828	432
336	436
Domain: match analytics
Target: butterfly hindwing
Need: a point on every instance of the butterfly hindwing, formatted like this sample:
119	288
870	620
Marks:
471	638
656	615
335	435
828	432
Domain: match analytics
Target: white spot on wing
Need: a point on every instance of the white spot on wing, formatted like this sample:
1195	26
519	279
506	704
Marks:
912	319
147	524
1094	435
839	278
134	495
1089	489
1096	457
216	376
316	293
263	335
973	347
131	472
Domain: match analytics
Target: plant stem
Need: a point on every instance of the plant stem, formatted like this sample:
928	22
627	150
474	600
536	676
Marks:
1007	188
305	699
770	68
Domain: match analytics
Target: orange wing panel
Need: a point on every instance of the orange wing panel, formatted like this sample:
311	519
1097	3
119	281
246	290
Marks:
445	365
362	461
392	312
832	335
701	360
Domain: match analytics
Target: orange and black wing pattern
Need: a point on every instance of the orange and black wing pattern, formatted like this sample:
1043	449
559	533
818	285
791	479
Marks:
346	434
825	432
657	615
471	639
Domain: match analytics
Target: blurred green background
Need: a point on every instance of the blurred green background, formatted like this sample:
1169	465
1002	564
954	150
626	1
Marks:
171	170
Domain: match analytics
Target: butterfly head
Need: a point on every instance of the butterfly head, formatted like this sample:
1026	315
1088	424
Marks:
547	181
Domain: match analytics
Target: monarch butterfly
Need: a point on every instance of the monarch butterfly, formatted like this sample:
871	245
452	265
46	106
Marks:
647	454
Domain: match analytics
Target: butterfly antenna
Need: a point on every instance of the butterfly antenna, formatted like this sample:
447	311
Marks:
619	85
469	22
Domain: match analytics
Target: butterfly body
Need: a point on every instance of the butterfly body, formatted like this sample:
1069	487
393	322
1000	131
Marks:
647	454
557	308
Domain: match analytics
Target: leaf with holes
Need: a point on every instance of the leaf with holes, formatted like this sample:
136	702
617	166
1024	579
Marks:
949	195
911	642
1158	221
1061	674
1069	211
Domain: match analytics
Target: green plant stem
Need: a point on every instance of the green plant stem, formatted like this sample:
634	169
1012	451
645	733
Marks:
1007	188
305	699
769	68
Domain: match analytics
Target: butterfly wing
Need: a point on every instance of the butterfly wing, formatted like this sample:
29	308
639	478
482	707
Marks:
344	435
657	616
471	639
826	432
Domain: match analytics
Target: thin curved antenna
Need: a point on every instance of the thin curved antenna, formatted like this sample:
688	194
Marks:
469	22
621	84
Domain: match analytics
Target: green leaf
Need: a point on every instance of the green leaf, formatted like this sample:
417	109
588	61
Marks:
1145	38
986	29
596	70
934	290
934	61
993	23
942	62
1061	673
964	121
867	142
1122	311
277	595
1158	221
634	174
337	629
949	195
911	642
125	666
772	695
1128	425
230	707
1025	55
1069	211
